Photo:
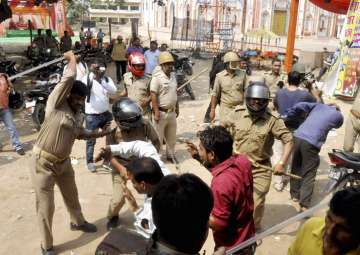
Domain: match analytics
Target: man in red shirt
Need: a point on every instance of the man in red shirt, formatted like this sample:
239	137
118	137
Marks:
232	185
5	113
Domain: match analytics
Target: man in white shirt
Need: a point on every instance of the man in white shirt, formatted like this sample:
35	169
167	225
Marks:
97	106
151	58
144	172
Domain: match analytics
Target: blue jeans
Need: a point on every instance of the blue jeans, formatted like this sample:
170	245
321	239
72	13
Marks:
94	122
6	117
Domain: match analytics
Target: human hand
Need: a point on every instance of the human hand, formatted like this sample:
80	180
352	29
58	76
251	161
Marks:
192	149
157	116
69	55
279	169
105	153
106	127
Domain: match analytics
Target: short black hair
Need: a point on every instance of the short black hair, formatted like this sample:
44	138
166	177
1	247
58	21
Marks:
346	204
218	140
181	207
154	42
294	78
79	88
146	170
276	60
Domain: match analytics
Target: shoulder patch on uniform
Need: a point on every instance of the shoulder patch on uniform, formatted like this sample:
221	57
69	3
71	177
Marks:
222	73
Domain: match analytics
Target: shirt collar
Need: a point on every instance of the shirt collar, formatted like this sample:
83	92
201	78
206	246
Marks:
218	169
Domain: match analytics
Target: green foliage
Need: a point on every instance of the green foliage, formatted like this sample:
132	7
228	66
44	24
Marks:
77	10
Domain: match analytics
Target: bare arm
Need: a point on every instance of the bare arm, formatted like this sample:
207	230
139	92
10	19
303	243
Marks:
212	224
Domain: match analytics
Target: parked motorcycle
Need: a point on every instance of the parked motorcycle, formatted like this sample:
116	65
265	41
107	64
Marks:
344	171
36	99
183	67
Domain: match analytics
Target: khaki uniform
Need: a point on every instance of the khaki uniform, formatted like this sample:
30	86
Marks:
144	133
230	89
352	127
139	90
165	89
272	81
50	162
254	137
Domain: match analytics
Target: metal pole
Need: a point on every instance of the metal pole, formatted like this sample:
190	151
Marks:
291	35
30	30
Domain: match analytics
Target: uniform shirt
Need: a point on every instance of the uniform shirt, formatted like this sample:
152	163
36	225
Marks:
118	52
320	120
272	81
254	137
232	188
145	132
138	88
152	60
165	89
99	95
50	42
309	239
230	88
81	70
60	128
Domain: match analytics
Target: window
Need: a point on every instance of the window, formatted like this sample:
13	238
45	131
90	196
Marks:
112	7
124	21
124	7
134	8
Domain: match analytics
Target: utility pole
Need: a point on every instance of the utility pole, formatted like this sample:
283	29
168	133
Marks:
291	35
243	23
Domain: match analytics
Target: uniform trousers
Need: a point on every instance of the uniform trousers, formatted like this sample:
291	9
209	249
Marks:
225	111
117	200
44	175
166	128
305	163
262	181
352	131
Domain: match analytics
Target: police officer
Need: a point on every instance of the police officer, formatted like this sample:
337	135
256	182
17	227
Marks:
131	126
229	86
137	83
275	78
352	127
51	154
164	102
254	128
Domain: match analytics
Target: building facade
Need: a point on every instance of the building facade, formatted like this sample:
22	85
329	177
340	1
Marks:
118	12
243	15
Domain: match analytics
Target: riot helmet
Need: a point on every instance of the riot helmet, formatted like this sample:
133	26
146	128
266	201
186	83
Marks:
127	113
257	98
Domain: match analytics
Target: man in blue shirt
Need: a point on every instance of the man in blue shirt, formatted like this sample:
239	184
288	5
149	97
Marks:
285	99
152	57
135	47
308	139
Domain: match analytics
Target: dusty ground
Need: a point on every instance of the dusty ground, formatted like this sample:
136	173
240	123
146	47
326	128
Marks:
18	223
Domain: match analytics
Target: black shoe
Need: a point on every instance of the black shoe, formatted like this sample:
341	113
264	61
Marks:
112	223
48	251
21	152
85	227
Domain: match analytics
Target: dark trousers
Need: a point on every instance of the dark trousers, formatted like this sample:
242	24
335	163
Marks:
305	162
93	122
120	69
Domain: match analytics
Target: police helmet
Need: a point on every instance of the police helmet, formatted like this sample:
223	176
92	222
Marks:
257	90
127	113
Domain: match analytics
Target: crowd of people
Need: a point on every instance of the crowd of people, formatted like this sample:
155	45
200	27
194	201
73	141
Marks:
257	116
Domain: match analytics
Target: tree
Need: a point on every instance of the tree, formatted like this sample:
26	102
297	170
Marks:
77	10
